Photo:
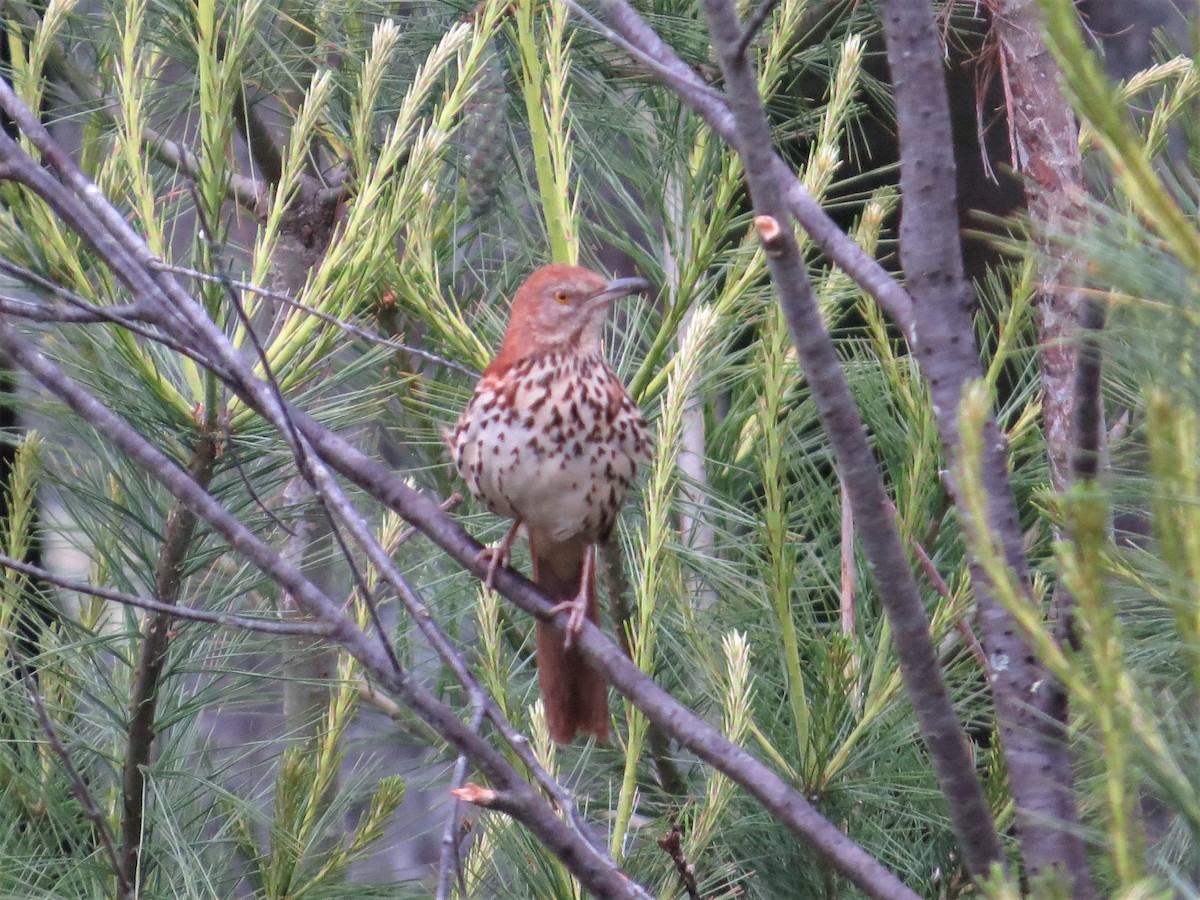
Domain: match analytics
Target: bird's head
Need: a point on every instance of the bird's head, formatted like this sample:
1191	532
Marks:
562	307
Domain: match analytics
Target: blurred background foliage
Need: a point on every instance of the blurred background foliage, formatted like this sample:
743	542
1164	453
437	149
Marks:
475	143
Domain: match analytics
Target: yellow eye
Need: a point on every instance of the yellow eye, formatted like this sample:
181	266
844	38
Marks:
562	296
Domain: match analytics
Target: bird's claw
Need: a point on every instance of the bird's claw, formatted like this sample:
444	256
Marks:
577	607
498	558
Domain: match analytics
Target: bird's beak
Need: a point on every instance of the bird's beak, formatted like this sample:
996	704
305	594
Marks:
621	287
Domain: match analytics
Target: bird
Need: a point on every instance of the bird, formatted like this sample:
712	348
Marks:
552	439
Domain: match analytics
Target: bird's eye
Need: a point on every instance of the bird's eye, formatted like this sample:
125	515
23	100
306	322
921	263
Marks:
562	296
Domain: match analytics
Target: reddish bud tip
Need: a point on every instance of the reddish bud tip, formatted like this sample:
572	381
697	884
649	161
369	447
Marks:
768	228
474	794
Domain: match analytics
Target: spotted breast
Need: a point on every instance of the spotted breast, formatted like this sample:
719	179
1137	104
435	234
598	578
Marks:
551	439
552	442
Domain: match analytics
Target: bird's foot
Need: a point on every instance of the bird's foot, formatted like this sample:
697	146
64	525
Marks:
499	556
577	607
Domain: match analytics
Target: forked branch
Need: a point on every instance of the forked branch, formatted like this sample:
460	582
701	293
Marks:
79	203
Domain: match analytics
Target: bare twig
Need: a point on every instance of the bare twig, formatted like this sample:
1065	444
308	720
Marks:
925	561
408	533
450	863
80	787
236	458
753	24
944	737
263	626
315	475
348	327
178	533
38	312
943	590
30	277
672	844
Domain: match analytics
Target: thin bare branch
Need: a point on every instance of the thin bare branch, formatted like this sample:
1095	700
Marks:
672	844
39	312
847	547
178	532
263	626
80	787
753	25
348	327
450	863
631	32
945	739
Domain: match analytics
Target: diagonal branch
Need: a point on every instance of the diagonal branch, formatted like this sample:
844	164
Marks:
631	32
945	740
596	872
753	25
348	327
189	613
930	252
103	227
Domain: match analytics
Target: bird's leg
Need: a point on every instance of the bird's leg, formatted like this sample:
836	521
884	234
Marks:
499	556
577	606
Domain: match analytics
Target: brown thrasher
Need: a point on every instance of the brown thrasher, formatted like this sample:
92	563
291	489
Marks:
551	438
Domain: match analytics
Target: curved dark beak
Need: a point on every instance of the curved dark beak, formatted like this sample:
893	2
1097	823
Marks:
621	287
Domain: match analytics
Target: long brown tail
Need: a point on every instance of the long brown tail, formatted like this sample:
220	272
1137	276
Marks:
574	694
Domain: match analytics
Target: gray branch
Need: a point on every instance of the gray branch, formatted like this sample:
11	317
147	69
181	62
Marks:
82	206
930	252
631	32
945	740
191	614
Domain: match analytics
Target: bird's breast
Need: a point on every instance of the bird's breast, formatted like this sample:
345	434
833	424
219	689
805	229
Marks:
553	441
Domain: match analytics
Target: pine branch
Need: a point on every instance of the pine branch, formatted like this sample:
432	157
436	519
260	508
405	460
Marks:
930	252
177	539
631	33
944	738
102	226
188	613
245	191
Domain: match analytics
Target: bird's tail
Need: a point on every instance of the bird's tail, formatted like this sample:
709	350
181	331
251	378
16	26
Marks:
573	693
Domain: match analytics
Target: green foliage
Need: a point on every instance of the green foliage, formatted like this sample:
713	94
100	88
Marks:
734	555
745	601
